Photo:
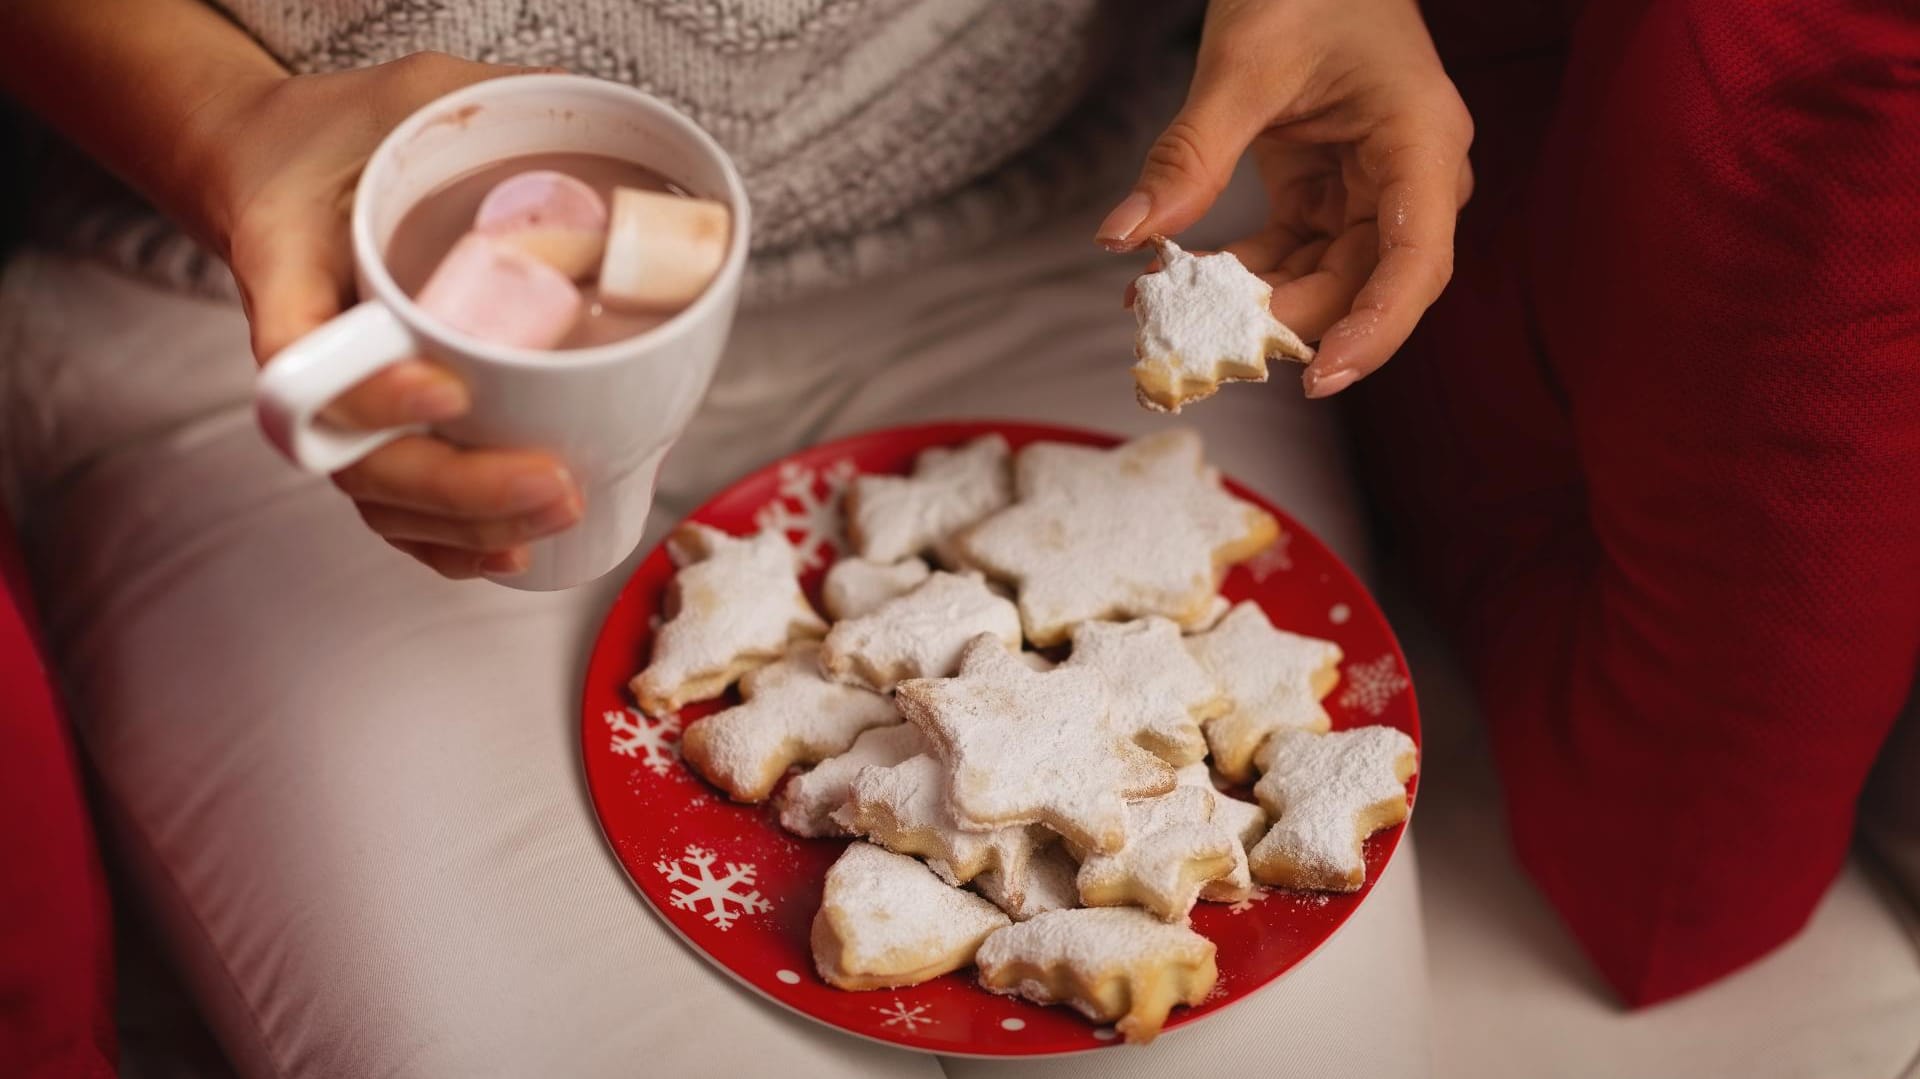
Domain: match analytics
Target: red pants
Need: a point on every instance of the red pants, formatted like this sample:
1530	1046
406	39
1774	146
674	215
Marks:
1654	458
56	966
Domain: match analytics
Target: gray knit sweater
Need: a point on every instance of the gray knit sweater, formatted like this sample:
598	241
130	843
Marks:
872	133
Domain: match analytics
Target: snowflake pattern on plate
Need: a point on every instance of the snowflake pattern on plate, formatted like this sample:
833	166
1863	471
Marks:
654	741
907	1018
1372	685
807	509
1274	559
724	895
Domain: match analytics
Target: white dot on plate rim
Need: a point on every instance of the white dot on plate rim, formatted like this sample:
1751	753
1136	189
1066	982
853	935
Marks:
1105	1034
1013	1024
1340	613
787	976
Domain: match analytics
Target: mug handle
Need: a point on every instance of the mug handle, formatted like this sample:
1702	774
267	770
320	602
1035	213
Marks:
303	378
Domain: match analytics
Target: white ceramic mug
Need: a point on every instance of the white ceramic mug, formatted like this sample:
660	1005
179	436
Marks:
612	411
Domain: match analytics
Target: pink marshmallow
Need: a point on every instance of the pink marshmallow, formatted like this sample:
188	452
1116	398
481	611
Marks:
549	215
500	294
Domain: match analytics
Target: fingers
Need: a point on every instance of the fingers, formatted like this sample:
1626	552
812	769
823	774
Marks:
411	391
433	477
1415	161
1187	167
1314	290
461	565
483	537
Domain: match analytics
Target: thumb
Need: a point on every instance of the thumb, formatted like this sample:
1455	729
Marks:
1186	169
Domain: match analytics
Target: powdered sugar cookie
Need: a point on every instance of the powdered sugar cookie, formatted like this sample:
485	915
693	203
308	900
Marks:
905	808
1141	529
886	921
1327	793
920	634
1048	883
1159	693
1245	821
808	802
734	605
792	715
1204	320
1114	965
855	587
1273	680
1173	849
895	517
1026	747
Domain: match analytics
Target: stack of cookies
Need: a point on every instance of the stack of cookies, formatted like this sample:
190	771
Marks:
1029	741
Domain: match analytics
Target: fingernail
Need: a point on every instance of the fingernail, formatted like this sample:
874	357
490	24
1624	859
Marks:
505	563
560	515
536	489
1116	232
437	401
1319	385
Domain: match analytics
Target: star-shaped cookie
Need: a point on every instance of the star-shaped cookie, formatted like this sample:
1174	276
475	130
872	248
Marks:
1159	693
886	921
1046	882
1204	320
734	605
1273	680
1246	821
1174	848
792	715
895	517
920	634
1026	747
808	802
1142	529
1327	793
907	808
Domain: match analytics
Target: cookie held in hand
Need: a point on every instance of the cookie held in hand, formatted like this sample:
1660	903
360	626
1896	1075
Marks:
1204	320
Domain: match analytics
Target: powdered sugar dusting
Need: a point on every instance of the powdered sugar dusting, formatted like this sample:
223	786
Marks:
1159	692
1142	529
1172	841
1317	786
891	913
895	517
1273	680
855	587
808	802
920	634
1025	747
906	808
1203	320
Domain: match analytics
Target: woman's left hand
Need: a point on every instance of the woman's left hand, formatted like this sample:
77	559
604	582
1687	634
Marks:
1361	142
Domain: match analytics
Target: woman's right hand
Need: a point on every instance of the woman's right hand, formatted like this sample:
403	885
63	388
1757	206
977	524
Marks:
278	159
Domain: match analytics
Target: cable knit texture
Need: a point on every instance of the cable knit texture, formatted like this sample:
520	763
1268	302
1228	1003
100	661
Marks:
872	133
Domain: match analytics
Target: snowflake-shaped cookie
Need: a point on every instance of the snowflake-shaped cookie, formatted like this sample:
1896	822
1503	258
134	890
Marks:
1204	320
1141	529
906	808
1173	849
1327	793
855	587
807	803
886	921
1160	695
895	517
734	605
1116	965
920	634
792	714
1273	680
1030	747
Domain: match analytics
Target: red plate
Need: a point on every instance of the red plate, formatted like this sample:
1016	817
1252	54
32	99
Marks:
732	883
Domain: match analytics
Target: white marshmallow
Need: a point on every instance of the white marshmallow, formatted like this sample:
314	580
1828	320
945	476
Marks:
549	215
662	250
500	294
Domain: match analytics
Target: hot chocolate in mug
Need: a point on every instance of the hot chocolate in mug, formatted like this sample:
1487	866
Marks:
611	411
